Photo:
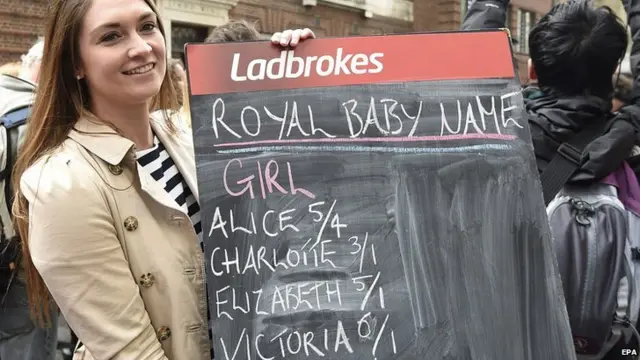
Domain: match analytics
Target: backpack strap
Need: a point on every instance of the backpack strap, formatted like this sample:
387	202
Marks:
16	117
567	160
10	120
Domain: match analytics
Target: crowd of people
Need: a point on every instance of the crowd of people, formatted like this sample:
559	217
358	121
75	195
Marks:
101	204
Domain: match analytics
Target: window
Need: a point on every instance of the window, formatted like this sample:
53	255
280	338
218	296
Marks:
355	29
185	33
524	23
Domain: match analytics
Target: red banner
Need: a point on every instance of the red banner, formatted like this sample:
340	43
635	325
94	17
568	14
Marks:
256	66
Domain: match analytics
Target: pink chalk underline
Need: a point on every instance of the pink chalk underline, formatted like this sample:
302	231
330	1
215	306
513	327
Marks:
377	139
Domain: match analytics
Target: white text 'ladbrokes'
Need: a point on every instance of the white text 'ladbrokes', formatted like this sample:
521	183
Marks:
290	66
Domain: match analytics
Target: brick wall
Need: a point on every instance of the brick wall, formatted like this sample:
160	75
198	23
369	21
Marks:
275	15
436	15
21	22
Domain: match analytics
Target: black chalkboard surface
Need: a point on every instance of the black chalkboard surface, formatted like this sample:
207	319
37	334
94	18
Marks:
372	198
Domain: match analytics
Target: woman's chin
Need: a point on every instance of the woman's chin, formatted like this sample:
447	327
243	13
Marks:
141	95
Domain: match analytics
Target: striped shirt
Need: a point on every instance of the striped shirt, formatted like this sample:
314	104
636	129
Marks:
157	162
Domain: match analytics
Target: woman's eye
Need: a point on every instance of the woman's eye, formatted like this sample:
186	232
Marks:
148	27
109	37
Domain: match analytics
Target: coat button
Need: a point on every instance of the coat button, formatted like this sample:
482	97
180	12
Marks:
116	169
130	223
147	280
164	333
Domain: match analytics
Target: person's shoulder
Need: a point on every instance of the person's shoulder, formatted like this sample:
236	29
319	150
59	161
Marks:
15	94
61	172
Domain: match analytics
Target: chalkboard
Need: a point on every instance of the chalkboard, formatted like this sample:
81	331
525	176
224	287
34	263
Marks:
372	198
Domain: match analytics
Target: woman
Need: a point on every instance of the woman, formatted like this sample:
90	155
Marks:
106	196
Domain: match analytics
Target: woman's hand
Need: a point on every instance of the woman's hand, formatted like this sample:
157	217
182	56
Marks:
292	37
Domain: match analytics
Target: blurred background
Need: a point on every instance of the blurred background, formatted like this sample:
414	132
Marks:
22	21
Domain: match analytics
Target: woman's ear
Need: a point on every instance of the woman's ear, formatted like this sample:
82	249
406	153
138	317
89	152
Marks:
79	72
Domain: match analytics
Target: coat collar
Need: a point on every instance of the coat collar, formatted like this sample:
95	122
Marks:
101	140
108	145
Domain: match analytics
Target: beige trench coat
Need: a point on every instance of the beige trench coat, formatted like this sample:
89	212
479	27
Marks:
120	258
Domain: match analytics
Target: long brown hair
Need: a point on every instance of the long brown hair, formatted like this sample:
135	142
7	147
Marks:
186	104
60	100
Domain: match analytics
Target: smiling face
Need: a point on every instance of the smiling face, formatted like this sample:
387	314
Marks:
122	52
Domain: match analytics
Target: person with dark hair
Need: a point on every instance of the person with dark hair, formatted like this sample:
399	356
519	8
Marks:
575	49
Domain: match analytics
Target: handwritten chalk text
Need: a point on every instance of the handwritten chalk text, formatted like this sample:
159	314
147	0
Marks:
267	178
273	223
469	117
289	342
373	117
229	261
299	296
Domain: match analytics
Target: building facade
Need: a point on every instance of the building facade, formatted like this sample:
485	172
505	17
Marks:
192	20
22	21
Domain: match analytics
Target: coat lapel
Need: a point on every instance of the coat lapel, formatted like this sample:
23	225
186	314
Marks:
111	147
149	185
180	147
101	140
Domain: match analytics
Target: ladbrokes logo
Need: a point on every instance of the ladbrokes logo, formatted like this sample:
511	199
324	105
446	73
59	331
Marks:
290	66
